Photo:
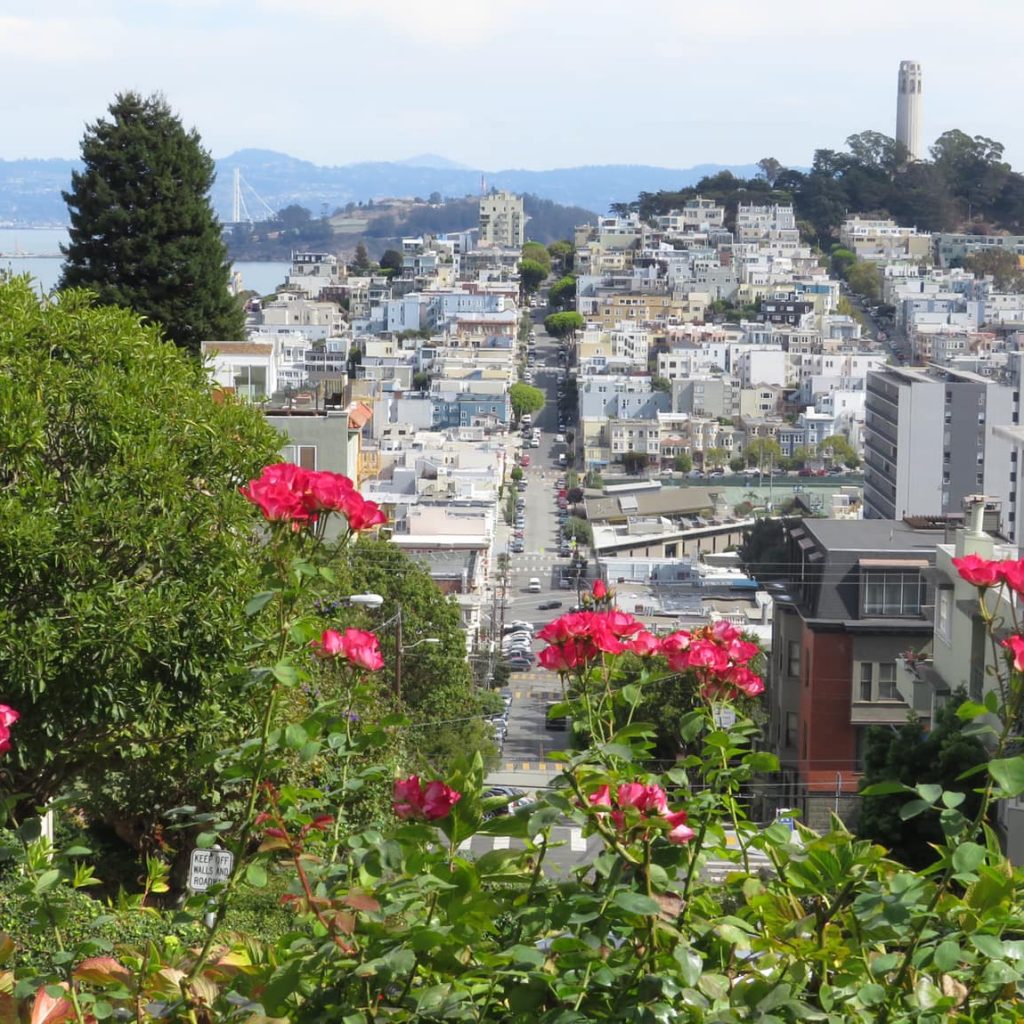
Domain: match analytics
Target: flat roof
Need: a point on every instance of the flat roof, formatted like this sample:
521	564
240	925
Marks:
871	534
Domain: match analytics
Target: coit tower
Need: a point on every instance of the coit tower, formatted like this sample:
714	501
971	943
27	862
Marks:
908	108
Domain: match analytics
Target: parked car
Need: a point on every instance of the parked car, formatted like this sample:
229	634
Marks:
517	624
517	547
518	534
533	586
524	460
559	439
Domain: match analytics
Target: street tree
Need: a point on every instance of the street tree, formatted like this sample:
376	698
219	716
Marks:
563	325
516	474
839	449
682	463
531	274
562	294
127	557
525	399
562	253
1001	264
714	458
579	530
737	463
143	234
391	261
863	278
763	452
634	462
539	254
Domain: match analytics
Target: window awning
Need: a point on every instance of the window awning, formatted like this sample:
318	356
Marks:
893	563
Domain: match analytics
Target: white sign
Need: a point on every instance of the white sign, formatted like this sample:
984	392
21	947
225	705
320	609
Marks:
208	867
724	717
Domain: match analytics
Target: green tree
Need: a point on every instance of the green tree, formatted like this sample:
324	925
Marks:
682	463
563	325
770	168
538	253
913	756
803	454
578	529
563	253
360	265
1001	264
391	261
764	550
762	452
525	399
516	474
531	274
839	449
436	678
661	384
736	463
714	458
127	557
841	260
864	278
143	234
562	294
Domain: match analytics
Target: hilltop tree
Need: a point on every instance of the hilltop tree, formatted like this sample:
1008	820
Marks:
143	234
391	261
562	294
770	168
360	265
539	254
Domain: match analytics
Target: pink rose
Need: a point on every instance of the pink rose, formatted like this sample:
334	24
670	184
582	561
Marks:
280	494
599	590
328	491
679	832
1012	573
1015	644
644	644
362	514
8	716
979	572
601	797
357	646
407	798
438	801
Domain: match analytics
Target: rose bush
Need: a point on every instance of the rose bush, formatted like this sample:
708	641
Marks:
409	923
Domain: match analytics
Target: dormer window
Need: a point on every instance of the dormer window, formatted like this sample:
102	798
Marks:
891	587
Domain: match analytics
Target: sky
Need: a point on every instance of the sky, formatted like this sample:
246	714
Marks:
496	84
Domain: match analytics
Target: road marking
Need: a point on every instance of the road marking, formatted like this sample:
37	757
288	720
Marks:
501	842
576	841
465	845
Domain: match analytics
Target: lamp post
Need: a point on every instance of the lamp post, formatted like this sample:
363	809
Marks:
400	649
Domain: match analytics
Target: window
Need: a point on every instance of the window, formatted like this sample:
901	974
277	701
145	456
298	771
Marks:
792	728
887	681
944	613
892	593
793	658
303	455
866	680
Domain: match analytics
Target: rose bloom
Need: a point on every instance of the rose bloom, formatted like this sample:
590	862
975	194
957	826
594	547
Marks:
8	716
411	799
1012	574
280	494
328	492
680	832
599	590
362	514
644	644
979	572
1015	645
358	646
567	656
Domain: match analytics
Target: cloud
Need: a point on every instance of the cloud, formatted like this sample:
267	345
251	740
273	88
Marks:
56	40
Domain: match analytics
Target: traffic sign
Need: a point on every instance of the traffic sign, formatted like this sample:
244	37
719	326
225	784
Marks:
208	867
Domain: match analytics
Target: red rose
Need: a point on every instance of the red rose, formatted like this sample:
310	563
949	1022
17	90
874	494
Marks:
8	716
359	647
979	572
1014	644
411	799
599	590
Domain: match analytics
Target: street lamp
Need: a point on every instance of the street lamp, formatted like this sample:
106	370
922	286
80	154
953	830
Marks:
365	600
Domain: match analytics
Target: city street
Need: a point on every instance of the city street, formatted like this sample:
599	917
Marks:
528	740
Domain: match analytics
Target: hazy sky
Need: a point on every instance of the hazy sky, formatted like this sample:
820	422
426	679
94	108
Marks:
513	83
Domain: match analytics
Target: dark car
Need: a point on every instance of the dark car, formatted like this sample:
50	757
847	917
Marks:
548	605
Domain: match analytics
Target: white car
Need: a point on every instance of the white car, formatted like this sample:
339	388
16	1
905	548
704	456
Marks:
559	438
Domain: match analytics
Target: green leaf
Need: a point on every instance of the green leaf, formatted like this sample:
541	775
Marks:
912	808
953	799
46	881
885	788
967	857
635	903
970	709
988	945
871	995
1009	774
295	736
205	840
928	791
259	601
284	672
256	875
946	955
991	701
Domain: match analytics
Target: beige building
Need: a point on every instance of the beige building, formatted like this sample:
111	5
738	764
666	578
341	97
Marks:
502	221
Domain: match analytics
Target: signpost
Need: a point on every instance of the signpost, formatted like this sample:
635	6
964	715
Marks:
209	867
725	717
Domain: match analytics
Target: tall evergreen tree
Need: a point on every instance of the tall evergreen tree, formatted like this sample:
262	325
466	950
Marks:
143	233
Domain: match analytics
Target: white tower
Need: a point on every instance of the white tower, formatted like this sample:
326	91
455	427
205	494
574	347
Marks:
908	108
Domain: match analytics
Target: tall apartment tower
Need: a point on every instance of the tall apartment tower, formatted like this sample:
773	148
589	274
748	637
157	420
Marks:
908	108
502	221
928	443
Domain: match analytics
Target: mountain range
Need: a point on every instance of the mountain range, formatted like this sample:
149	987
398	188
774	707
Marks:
30	189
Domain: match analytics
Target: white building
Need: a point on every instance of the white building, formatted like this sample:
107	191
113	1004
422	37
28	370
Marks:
502	221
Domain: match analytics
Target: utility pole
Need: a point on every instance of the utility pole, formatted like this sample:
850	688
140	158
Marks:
398	654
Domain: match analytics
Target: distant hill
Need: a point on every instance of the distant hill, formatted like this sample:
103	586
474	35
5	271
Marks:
30	189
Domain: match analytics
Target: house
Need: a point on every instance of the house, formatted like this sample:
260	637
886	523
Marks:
857	594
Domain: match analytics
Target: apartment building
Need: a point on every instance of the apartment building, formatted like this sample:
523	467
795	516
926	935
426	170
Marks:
502	221
928	443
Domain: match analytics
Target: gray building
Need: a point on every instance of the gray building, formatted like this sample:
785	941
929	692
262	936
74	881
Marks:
929	443
706	396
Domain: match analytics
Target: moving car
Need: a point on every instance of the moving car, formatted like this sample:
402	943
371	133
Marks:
548	605
533	587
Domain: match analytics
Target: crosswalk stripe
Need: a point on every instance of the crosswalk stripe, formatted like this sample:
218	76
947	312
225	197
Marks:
465	845
576	841
501	842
